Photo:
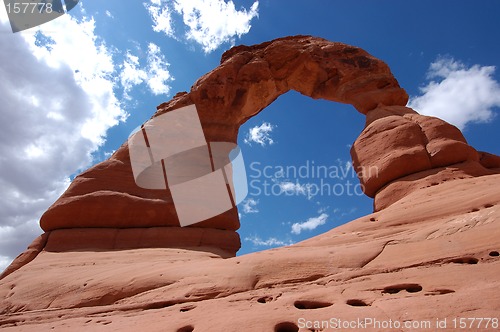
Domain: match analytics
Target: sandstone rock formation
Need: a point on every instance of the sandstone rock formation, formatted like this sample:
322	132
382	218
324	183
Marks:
248	79
396	142
432	255
114	257
400	151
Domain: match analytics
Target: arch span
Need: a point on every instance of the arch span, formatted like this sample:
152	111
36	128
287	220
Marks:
409	150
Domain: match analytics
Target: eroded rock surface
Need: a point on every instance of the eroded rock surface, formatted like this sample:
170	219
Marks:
432	255
400	151
114	257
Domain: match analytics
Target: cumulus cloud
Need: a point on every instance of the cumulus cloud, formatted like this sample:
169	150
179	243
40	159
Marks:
214	22
160	13
158	74
296	188
458	94
131	73
249	205
270	242
210	23
310	224
57	103
260	134
154	73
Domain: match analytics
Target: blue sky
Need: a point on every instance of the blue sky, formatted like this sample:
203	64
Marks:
73	89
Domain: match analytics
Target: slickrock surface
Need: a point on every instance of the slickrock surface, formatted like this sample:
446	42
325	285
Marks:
433	254
114	258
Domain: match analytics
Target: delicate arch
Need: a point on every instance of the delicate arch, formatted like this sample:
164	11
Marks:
396	140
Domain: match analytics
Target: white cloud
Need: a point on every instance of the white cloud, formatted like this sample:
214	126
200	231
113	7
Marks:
290	188
158	74
295	188
209	23
459	94
249	206
4	262
131	74
260	134
108	14
161	15
324	209
57	105
214	22
270	242
310	224
155	74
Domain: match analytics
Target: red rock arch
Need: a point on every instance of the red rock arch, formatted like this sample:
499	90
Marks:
396	140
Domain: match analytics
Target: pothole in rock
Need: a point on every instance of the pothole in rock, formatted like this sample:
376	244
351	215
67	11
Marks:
188	328
308	304
440	292
356	303
464	260
187	308
410	288
286	327
265	299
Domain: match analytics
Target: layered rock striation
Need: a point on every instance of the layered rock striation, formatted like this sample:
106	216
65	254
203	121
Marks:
398	151
248	79
433	255
114	257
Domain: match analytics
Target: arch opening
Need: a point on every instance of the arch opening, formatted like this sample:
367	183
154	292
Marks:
301	180
248	79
